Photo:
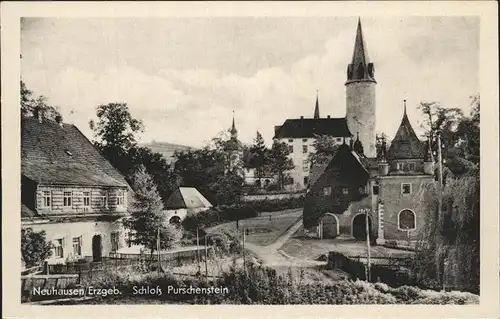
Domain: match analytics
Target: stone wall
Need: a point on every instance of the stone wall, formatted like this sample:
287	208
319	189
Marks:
394	202
360	114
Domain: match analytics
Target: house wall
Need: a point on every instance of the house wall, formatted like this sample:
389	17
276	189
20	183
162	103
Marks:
85	229
394	202
57	193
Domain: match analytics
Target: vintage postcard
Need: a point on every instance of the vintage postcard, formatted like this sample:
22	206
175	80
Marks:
310	155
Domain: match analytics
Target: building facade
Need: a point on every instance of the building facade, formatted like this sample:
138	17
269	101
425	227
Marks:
359	186
300	136
69	190
388	191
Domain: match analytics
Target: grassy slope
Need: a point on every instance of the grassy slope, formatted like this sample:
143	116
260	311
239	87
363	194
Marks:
265	229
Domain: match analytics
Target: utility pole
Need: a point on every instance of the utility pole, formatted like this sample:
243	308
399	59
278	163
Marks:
440	174
198	249
206	257
368	265
244	259
158	249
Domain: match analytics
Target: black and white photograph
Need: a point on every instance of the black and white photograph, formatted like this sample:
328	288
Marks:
251	160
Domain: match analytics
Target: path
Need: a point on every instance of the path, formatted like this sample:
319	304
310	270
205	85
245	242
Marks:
271	255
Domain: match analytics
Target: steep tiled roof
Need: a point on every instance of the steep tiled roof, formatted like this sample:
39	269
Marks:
186	197
308	128
405	144
55	155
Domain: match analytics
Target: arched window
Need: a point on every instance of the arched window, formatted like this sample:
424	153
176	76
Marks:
407	220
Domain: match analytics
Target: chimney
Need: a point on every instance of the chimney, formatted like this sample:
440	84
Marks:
59	120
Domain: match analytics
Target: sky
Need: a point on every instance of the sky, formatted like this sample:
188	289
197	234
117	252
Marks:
184	77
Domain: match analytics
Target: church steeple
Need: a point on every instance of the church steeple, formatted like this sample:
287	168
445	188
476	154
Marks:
316	108
360	68
233	131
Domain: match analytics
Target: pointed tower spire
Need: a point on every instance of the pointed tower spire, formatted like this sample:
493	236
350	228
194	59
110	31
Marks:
360	68
233	130
316	108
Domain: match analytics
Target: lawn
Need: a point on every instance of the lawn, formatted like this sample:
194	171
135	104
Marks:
264	229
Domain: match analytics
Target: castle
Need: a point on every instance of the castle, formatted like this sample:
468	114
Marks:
357	184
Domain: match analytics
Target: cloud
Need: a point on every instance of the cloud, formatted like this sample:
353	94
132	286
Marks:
191	105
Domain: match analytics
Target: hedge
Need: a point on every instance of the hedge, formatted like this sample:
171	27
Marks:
262	285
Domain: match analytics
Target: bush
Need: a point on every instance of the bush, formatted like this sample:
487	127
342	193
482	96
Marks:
215	216
272	205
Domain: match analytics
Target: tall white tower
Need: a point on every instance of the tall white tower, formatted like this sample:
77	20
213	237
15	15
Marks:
360	95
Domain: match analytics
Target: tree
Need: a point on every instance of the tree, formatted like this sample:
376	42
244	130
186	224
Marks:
34	247
258	156
467	137
439	118
115	133
459	238
326	147
279	162
165	178
148	217
30	105
459	135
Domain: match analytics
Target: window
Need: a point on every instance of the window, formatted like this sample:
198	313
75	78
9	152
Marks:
406	220
115	239
345	191
58	248
375	189
406	188
304	148
305	165
120	198
103	201
411	166
290	148
339	139
398	166
290	140
86	199
46	198
77	245
67	199
306	181
304	140
130	239
327	191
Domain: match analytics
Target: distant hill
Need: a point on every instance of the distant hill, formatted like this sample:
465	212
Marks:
166	149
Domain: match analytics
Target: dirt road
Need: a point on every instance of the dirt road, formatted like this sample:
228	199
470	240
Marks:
271	255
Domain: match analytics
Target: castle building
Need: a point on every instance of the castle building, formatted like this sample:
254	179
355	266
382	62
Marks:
356	185
300	135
